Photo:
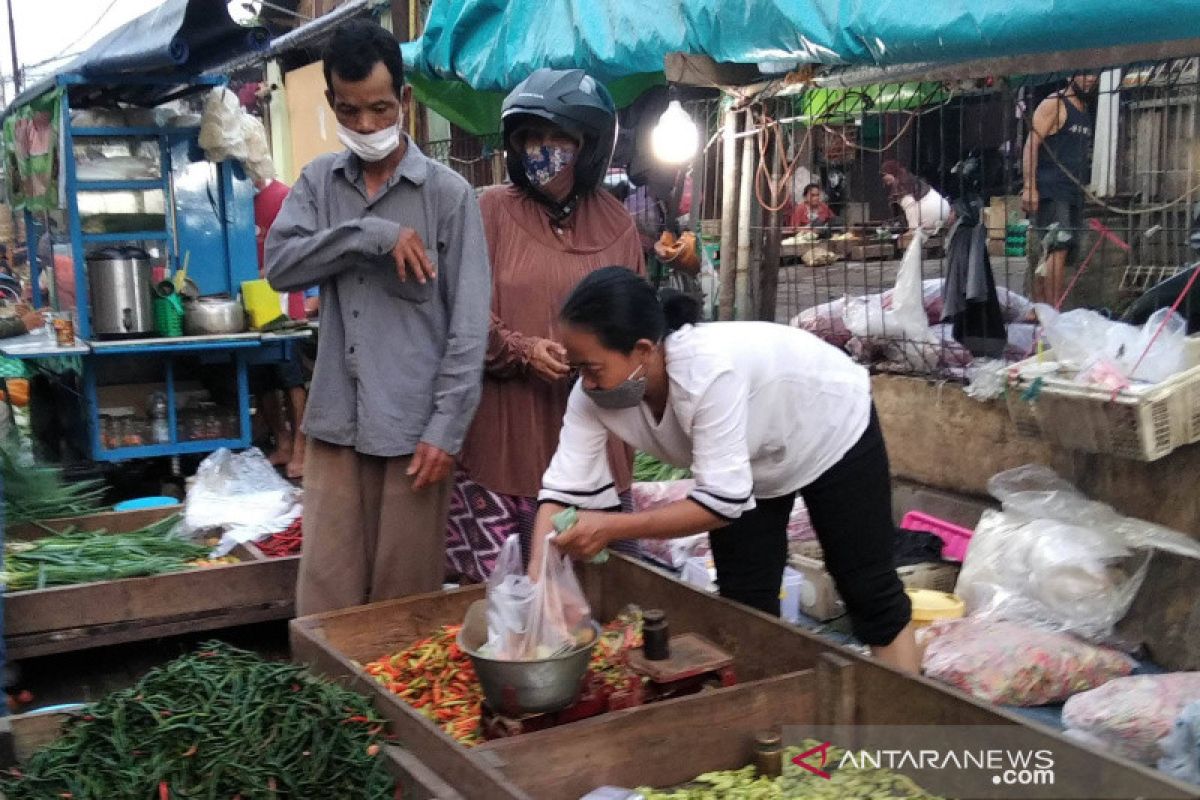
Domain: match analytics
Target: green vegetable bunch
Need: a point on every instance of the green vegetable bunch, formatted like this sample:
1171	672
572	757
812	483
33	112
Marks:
647	468
220	723
74	557
33	493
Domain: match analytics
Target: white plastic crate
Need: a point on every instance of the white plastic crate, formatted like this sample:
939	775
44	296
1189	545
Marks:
1143	425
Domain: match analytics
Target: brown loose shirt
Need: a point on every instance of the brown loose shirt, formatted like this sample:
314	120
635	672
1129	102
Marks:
535	265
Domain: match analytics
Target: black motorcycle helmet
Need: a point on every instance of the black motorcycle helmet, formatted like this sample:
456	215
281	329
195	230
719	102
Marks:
581	106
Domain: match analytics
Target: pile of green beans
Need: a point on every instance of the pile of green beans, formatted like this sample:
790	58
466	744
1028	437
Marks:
796	783
219	723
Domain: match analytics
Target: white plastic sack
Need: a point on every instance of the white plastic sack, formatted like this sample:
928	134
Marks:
242	495
1052	574
1131	716
904	325
530	620
227	131
221	126
1083	340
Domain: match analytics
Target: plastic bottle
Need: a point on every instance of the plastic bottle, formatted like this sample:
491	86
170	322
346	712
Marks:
160	432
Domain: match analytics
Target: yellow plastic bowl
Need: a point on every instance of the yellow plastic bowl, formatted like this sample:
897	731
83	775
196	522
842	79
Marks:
929	606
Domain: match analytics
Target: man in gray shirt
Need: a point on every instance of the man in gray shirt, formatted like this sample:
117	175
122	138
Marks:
395	242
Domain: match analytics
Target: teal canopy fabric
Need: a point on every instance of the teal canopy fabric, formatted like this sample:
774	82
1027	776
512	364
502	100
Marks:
493	44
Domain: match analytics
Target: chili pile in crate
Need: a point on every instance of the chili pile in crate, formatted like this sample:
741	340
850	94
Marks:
284	543
437	678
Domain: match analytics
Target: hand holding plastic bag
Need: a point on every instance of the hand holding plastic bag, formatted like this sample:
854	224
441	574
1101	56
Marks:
530	619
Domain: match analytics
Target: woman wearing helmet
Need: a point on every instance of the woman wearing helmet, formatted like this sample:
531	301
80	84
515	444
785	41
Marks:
545	231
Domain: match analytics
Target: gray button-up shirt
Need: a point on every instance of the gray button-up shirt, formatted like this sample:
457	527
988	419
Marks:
399	362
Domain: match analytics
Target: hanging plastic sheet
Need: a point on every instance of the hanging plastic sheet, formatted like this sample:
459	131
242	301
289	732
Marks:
31	145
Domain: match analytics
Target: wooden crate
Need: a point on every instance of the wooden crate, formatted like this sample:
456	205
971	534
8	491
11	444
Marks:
23	734
65	618
787	675
874	251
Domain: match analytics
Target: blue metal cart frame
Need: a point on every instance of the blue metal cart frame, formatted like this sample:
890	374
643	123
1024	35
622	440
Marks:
220	240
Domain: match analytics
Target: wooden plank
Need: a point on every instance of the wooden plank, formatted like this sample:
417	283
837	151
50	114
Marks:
414	780
835	691
887	697
111	521
311	639
656	745
22	734
193	592
72	639
763	647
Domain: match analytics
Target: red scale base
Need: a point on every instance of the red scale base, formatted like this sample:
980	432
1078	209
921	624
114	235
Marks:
695	665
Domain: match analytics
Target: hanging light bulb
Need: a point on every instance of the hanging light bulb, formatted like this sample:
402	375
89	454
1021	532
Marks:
675	138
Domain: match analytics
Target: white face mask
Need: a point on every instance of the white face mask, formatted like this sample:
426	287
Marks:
371	147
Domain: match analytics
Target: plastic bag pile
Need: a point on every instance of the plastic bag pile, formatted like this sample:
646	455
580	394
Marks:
1057	560
227	131
242	495
1112	354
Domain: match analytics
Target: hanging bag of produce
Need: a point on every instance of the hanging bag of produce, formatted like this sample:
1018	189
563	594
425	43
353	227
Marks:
531	619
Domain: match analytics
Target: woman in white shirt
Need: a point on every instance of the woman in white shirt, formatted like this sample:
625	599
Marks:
759	412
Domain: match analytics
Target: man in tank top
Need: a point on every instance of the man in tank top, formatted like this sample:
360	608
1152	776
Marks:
1056	166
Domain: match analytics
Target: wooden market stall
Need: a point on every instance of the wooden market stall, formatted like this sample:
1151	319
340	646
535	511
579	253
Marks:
786	677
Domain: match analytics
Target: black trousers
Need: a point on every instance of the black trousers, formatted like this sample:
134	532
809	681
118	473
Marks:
850	507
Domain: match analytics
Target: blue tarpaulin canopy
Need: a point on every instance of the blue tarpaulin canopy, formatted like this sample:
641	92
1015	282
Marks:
493	44
165	47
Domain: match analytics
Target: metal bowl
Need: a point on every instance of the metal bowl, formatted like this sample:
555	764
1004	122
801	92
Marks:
513	688
213	315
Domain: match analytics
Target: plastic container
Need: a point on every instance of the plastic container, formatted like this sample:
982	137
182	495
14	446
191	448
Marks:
143	503
929	606
1142	425
789	598
955	537
261	302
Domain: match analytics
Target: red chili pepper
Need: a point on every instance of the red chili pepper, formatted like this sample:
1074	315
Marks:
164	793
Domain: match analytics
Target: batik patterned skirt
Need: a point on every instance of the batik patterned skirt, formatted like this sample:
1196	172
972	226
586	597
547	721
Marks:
481	520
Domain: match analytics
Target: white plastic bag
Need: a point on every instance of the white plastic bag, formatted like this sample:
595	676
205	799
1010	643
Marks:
1052	574
221	126
530	620
1131	716
904	325
1090	343
242	495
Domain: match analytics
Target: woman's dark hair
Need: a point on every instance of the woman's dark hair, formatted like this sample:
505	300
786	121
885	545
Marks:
356	47
621	308
809	188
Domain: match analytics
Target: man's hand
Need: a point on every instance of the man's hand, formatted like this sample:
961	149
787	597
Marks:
548	360
587	537
409	253
31	318
1029	200
430	466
